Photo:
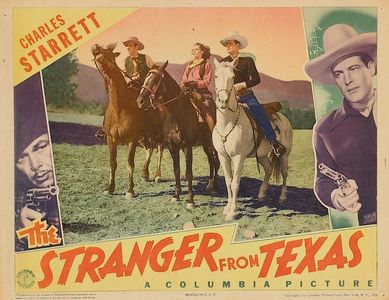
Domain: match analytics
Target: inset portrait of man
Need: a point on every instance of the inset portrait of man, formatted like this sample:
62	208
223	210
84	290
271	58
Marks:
345	141
35	188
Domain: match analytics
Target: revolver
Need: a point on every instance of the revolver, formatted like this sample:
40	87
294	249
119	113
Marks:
38	197
339	179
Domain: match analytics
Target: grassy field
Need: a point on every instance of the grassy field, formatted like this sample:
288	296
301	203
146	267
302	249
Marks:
88	215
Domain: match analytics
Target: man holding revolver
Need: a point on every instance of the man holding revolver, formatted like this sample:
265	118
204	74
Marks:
346	139
33	160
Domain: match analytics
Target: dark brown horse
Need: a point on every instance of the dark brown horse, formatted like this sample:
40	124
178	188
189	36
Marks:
124	122
181	127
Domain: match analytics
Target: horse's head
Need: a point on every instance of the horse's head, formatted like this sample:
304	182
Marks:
104	58
224	83
152	87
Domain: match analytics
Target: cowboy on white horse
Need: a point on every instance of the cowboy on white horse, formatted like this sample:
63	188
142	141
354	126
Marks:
246	77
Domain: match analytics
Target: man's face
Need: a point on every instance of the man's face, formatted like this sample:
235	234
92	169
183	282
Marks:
232	47
132	49
354	79
35	162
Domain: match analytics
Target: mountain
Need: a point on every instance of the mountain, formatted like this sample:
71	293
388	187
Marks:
297	93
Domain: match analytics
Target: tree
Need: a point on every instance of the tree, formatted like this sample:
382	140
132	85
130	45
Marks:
59	90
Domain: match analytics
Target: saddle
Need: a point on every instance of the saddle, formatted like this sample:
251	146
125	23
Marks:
204	116
270	109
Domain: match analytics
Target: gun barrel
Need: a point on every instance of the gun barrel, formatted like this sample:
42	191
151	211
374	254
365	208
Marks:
338	177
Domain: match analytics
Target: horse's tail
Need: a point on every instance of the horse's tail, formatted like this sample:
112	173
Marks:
276	164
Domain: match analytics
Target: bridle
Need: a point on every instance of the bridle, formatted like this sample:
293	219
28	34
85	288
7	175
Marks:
229	96
152	91
113	62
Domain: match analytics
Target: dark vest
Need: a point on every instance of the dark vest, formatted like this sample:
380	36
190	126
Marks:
143	68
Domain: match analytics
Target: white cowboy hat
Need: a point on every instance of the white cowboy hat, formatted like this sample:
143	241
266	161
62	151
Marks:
340	40
235	36
135	40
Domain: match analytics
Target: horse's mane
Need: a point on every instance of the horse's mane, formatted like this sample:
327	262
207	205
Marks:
170	80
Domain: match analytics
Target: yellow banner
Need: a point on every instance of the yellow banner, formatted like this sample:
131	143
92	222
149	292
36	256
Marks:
43	35
205	259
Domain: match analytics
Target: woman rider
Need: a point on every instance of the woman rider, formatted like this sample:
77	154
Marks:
197	76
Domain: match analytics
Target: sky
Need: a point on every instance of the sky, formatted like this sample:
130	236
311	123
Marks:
276	36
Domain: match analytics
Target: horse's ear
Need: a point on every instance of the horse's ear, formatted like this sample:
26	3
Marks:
111	46
164	65
216	62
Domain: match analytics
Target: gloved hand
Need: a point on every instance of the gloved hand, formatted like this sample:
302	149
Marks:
239	86
191	84
346	198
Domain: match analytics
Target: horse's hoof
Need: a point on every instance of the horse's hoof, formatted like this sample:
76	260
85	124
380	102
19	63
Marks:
107	192
129	195
261	198
157	179
174	200
190	205
281	200
145	179
229	217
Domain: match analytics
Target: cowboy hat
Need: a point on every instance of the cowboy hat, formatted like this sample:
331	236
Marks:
134	40
235	36
340	40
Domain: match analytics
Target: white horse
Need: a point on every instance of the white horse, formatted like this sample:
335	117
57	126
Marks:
233	138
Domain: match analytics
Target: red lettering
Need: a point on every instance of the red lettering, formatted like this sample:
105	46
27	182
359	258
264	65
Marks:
53	23
310	252
166	256
60	20
63	37
114	263
49	30
138	258
93	18
270	250
54	46
69	257
180	262
30	39
32	54
36	35
24	62
23	43
47	272
334	256
82	23
206	249
74	33
287	257
44	53
89	266
357	256
42	30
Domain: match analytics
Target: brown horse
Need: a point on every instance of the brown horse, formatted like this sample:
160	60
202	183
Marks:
181	127
124	122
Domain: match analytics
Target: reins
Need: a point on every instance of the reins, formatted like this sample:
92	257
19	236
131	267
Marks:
152	95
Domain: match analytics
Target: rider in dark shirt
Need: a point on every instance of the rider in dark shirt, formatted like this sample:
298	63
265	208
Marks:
247	76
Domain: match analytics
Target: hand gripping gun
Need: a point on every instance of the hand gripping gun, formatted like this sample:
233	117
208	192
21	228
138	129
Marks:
37	198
